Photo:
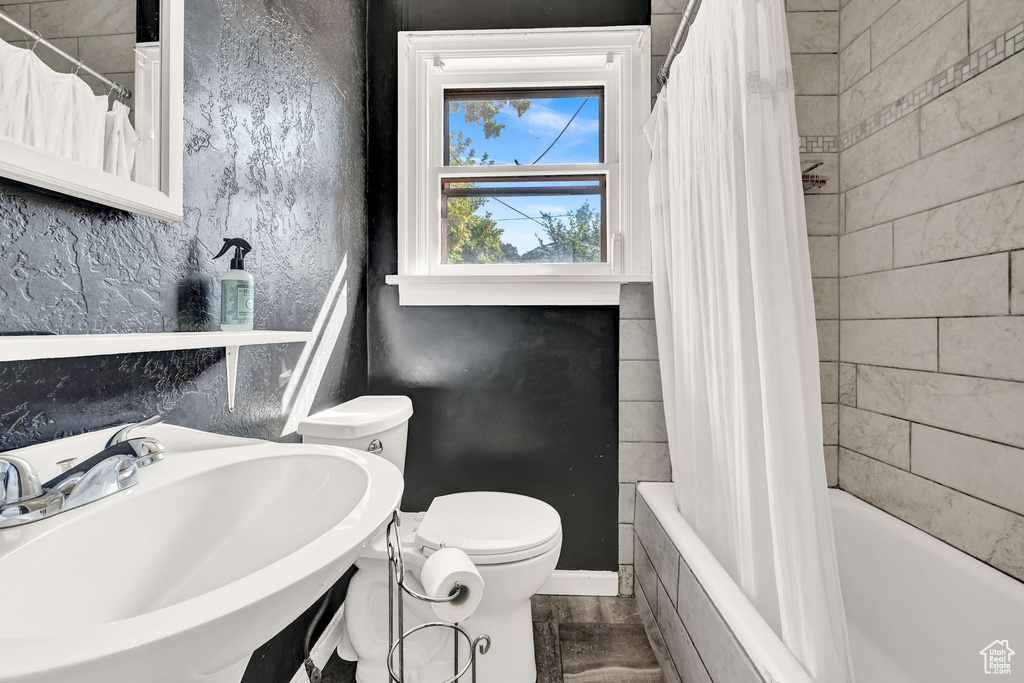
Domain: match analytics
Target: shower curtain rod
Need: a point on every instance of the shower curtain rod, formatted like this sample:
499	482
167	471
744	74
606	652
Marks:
122	92
689	14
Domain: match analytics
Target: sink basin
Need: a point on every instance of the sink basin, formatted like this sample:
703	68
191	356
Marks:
179	578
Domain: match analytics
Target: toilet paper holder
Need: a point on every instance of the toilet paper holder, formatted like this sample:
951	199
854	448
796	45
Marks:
396	640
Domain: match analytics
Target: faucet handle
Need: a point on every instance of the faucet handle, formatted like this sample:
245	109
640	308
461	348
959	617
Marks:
122	434
18	480
146	450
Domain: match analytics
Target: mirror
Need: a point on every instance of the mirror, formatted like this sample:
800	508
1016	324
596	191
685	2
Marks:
91	100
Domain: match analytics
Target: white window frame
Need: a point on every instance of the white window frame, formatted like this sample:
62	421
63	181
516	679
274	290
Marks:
617	59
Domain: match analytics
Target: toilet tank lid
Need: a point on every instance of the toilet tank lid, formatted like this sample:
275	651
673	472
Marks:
358	418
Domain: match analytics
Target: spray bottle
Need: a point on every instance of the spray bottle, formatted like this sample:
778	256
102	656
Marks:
236	289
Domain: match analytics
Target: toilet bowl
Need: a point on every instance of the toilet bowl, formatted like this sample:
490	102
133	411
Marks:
513	540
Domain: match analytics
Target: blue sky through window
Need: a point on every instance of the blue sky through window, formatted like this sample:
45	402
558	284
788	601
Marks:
524	139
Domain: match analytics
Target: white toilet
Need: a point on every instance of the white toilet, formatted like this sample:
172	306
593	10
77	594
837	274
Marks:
513	540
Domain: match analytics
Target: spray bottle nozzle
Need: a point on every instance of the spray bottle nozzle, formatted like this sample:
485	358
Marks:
241	249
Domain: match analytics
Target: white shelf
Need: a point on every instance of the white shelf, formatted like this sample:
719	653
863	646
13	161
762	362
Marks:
38	347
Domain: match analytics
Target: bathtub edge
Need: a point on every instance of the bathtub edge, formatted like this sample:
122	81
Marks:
769	655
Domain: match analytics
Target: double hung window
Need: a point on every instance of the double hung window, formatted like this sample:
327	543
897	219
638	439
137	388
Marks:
522	166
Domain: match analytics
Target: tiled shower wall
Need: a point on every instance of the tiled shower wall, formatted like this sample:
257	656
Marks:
643	447
643	451
931	421
814	46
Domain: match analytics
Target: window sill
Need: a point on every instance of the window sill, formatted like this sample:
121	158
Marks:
513	290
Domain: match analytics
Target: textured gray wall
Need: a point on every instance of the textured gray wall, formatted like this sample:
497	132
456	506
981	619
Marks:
274	152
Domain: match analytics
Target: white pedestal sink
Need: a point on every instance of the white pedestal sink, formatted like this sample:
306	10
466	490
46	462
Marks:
179	578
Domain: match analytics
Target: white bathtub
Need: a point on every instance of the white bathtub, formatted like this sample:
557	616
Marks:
919	611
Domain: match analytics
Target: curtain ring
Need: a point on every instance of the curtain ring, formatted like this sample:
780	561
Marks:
38	37
79	67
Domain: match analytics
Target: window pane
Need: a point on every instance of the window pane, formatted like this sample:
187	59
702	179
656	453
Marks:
524	220
508	127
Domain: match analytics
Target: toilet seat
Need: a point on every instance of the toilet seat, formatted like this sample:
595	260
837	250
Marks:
490	527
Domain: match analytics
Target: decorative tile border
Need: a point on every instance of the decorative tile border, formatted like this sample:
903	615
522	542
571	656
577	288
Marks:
818	144
982	59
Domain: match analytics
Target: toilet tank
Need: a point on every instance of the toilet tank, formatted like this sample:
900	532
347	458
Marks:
359	422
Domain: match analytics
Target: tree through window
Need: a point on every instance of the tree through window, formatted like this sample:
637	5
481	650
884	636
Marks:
524	219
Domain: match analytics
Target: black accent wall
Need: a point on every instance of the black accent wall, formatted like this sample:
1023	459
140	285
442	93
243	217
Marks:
519	399
274	135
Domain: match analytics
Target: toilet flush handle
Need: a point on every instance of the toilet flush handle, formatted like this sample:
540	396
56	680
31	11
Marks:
376	447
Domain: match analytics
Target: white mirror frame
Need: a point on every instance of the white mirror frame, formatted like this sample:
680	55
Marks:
33	166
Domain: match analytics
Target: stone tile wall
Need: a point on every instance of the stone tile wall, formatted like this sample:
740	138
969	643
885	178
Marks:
99	32
643	451
814	46
643	442
931	341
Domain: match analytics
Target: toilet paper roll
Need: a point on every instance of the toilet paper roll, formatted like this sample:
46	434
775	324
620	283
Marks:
441	572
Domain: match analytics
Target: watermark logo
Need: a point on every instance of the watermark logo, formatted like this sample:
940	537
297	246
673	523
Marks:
997	657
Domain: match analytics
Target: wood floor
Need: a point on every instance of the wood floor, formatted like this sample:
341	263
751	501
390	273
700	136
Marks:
583	639
576	639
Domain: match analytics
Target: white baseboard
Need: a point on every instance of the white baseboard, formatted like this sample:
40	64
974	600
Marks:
325	645
577	582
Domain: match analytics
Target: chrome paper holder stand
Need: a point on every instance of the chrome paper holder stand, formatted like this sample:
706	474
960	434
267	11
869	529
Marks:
396	578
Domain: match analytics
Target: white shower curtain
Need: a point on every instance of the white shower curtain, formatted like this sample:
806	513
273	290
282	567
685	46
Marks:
736	330
121	142
24	97
74	119
59	113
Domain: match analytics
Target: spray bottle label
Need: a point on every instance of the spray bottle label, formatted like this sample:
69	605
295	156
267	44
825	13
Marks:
236	302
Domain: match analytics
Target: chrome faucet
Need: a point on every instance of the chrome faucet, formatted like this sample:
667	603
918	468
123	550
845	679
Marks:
146	451
23	499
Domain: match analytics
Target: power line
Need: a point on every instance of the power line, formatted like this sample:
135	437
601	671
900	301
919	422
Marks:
571	239
531	218
563	130
518	211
